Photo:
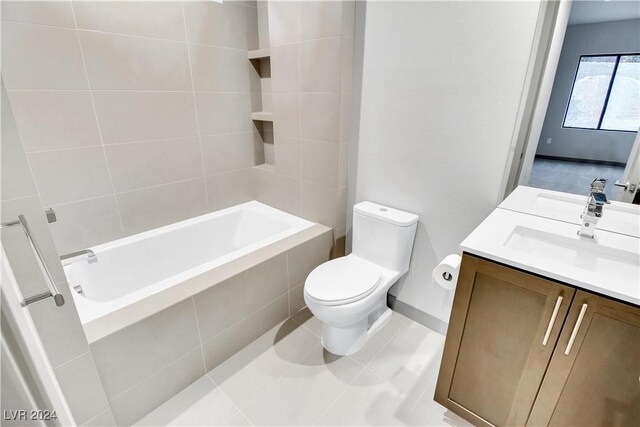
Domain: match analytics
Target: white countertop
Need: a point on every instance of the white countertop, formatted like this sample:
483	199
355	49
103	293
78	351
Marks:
617	217
609	264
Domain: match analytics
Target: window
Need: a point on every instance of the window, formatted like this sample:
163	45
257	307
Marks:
605	94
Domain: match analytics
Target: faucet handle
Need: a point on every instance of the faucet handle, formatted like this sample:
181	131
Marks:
597	195
598	184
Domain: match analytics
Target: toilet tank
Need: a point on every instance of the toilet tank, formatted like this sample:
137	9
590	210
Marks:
383	235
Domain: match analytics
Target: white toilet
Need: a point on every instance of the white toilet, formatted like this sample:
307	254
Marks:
349	294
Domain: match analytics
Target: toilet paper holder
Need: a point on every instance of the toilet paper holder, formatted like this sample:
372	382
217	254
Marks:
447	276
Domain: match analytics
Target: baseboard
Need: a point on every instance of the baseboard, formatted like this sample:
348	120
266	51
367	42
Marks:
590	161
419	316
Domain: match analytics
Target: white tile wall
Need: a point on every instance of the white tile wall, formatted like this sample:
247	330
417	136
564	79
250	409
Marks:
121	107
150	163
50	120
320	65
159	20
39	12
143	116
224	112
119	62
67	175
153	207
41	57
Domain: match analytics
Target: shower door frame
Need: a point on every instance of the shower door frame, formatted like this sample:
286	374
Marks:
21	324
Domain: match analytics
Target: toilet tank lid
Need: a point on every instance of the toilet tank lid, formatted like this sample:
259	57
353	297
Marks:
385	213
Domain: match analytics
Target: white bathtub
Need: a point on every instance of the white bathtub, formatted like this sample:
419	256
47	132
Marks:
135	268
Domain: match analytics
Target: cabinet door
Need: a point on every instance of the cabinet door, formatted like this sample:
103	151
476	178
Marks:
595	380
503	327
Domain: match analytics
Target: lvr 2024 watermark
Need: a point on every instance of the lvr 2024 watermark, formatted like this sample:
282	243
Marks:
26	415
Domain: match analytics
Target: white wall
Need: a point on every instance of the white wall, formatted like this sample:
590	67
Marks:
585	39
440	87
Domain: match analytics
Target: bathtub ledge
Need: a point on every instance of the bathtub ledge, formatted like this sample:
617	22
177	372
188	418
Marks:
152	304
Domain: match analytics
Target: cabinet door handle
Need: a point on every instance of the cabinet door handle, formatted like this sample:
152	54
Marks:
583	310
552	321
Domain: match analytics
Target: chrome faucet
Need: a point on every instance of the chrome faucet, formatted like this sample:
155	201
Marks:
593	210
87	254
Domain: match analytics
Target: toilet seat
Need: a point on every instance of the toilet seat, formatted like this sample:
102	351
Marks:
342	280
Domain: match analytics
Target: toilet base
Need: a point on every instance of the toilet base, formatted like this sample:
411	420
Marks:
346	340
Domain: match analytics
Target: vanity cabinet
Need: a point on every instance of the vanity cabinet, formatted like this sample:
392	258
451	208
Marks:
504	361
594	379
495	353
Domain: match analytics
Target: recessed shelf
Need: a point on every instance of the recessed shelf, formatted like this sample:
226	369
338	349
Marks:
263	116
265	167
259	53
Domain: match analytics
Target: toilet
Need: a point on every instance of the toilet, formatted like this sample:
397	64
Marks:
349	294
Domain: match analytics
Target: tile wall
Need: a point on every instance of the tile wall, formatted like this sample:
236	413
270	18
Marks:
137	114
133	115
311	46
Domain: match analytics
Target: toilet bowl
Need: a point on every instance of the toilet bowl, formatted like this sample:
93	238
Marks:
349	294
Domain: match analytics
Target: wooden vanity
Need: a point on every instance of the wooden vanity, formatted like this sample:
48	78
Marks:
522	349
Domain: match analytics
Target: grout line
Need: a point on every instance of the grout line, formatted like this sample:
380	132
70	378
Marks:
81	200
339	395
31	175
72	359
160	185
137	36
305	326
112	33
306	40
219	387
63	149
177	139
137	189
340	120
195	312
100	381
13	199
299	116
107	409
10	90
431	380
38	25
288	283
279	377
95	115
244	318
153	375
195	108
167	39
377	353
245	418
115	194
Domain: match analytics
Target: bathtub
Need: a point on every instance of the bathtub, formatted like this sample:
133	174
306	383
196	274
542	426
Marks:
139	275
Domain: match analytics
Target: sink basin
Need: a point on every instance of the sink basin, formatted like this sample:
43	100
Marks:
585	254
608	264
618	217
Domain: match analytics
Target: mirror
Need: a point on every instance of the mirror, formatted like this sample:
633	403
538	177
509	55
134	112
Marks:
591	123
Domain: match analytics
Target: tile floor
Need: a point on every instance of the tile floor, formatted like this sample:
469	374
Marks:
572	177
285	378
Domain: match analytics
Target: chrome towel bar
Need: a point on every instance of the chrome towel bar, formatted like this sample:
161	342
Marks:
53	290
